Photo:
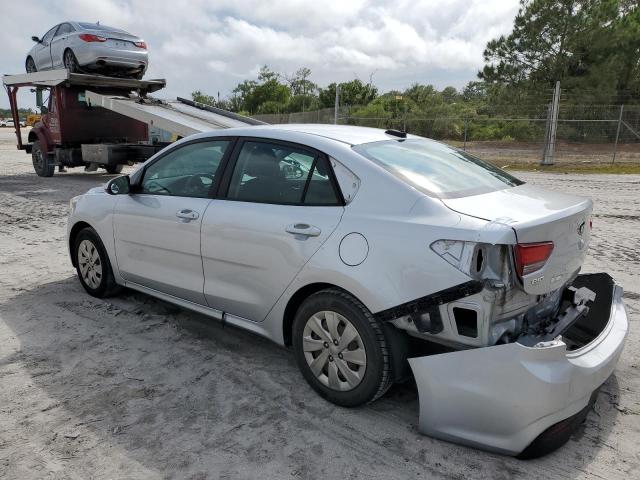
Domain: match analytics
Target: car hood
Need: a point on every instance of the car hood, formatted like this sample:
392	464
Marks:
537	215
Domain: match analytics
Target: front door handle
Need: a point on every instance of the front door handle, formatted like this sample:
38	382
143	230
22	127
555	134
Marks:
303	229
187	215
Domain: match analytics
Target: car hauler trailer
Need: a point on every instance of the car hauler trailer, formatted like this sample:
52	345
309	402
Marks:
103	122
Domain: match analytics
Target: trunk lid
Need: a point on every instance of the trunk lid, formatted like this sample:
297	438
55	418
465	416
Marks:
115	35
537	215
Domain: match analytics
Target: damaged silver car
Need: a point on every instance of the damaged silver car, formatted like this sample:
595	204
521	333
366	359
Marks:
369	251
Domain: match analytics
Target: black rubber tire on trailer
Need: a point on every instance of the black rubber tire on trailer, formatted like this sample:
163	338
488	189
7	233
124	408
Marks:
113	169
42	164
96	276
378	372
30	65
70	61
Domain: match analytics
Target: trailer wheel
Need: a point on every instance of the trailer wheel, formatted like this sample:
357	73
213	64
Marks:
42	164
113	169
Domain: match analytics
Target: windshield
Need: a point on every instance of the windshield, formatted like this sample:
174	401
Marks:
437	169
95	26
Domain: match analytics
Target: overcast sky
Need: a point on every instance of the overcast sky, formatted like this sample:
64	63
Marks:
211	45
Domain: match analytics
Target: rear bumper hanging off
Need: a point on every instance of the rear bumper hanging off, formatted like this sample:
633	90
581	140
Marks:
503	398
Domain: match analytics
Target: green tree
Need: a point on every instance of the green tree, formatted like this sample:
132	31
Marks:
267	95
200	97
351	93
591	46
303	91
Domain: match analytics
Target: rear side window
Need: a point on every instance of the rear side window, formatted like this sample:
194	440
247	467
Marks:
187	171
64	28
437	169
274	173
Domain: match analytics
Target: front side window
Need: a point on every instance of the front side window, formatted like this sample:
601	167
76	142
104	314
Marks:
46	38
187	171
274	173
437	169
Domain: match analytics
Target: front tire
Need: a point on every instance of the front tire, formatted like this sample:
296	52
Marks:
341	349
42	164
93	265
70	61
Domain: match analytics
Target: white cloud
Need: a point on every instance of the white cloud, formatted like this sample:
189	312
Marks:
211	45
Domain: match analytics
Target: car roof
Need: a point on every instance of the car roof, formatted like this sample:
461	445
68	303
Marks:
348	134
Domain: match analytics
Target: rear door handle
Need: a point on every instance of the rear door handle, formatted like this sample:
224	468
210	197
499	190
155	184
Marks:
303	229
187	215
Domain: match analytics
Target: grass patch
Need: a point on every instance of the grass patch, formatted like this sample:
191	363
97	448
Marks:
616	168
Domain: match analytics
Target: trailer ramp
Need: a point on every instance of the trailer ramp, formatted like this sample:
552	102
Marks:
181	117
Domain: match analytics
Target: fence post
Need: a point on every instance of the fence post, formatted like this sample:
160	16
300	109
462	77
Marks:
550	148
464	146
615	146
336	106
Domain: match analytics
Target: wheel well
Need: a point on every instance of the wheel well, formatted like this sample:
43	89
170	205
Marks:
27	60
72	238
33	136
294	303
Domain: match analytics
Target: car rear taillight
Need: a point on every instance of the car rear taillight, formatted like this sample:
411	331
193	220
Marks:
531	257
140	44
89	37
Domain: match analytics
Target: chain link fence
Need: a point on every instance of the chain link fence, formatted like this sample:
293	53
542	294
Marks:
585	133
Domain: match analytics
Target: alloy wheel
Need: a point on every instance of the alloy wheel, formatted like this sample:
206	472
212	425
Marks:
70	61
334	350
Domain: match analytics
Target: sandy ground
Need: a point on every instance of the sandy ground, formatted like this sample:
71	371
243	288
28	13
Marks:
136	388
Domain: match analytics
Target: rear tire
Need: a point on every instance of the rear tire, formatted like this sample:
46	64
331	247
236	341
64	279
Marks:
31	65
361	369
93	265
113	169
42	164
70	61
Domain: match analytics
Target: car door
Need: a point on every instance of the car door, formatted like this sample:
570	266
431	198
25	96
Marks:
42	52
157	228
59	43
280	204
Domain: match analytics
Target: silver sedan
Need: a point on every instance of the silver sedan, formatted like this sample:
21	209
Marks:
80	47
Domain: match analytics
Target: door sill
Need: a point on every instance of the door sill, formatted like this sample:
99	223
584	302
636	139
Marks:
224	317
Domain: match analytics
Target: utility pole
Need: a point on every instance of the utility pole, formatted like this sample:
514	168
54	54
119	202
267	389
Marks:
466	123
337	105
550	147
615	147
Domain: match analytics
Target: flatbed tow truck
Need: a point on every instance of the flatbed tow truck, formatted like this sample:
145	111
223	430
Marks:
96	121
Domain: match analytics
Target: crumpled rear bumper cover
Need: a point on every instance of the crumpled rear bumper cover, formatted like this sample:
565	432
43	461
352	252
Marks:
504	397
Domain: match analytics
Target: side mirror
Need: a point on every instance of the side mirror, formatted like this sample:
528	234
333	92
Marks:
36	39
118	186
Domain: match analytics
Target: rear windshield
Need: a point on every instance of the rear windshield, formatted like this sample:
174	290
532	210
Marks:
437	169
95	26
